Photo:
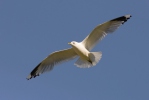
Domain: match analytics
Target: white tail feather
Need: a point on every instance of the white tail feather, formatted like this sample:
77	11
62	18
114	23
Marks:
81	63
94	57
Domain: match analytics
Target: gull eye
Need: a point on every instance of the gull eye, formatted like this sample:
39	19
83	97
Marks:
73	42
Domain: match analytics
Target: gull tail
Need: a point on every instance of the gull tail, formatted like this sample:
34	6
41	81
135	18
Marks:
94	59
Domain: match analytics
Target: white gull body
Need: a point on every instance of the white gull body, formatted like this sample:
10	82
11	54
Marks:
87	59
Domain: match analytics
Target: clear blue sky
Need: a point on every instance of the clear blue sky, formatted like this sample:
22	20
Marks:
32	29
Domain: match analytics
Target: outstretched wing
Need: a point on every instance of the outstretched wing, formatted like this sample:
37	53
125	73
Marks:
55	58
102	30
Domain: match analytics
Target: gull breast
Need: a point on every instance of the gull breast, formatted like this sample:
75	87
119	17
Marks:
81	51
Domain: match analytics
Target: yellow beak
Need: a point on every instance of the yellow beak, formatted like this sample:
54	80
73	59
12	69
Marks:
69	43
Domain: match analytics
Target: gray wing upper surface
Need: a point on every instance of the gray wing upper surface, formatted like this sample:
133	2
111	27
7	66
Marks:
102	30
55	58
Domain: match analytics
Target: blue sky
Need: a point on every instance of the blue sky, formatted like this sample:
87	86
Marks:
32	29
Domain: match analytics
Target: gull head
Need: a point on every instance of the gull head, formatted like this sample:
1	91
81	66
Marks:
73	43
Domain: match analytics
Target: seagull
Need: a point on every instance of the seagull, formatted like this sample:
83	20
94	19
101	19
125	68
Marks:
82	49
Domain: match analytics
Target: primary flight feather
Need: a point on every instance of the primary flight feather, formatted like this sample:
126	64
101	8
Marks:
80	49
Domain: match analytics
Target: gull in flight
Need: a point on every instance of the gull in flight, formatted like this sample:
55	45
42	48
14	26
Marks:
82	49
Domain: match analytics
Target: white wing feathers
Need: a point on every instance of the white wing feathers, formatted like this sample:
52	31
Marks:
102	30
55	58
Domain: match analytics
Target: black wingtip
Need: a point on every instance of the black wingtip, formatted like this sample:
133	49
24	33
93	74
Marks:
122	18
33	74
30	77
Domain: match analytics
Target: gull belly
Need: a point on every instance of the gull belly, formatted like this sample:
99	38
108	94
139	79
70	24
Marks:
81	51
